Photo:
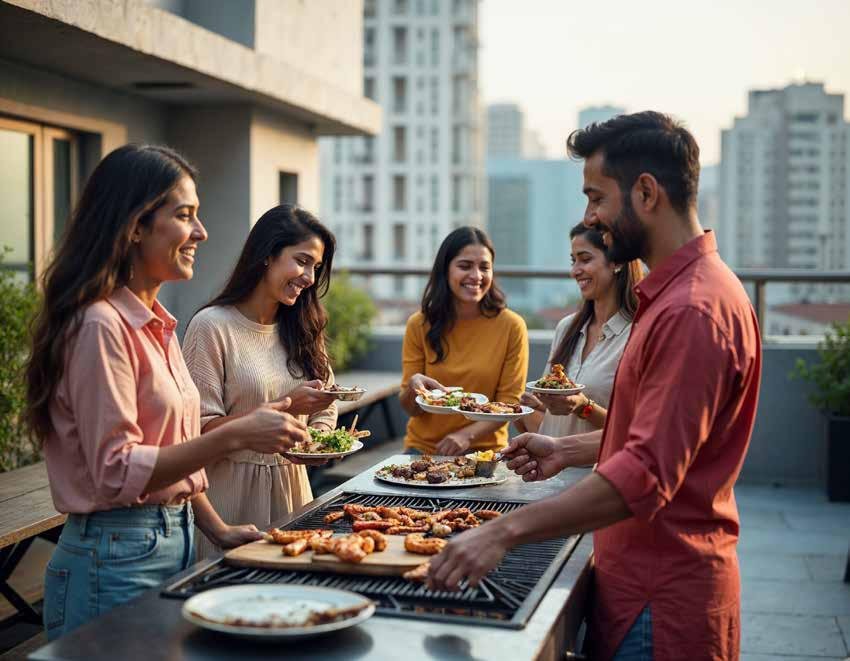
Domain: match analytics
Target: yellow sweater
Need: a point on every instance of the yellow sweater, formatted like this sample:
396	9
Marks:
486	355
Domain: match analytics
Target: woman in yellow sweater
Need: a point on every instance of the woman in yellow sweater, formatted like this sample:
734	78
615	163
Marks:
463	336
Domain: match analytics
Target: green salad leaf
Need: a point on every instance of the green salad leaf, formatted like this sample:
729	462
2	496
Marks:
338	440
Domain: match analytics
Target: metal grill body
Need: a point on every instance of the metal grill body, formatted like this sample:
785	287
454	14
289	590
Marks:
507	597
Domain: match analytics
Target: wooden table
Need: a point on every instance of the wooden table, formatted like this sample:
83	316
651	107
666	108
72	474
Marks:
26	512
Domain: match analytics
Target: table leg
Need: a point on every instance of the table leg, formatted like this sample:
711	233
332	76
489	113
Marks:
10	556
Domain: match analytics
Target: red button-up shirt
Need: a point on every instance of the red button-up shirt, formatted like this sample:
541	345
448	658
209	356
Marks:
677	432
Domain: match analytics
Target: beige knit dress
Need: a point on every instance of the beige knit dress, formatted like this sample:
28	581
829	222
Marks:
238	365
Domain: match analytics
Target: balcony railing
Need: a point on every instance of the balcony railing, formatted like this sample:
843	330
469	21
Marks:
758	278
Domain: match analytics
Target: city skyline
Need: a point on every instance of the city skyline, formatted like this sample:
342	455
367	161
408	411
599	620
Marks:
764	45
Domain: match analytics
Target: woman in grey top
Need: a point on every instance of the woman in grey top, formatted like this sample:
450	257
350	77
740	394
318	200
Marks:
588	343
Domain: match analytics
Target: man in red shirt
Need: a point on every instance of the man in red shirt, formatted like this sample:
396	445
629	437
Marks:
679	422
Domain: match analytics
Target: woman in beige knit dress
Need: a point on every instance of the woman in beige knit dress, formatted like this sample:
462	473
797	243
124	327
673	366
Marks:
261	339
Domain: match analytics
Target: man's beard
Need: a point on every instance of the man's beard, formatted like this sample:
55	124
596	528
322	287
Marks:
628	237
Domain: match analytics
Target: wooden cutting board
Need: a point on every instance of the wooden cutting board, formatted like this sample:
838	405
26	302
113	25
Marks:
392	561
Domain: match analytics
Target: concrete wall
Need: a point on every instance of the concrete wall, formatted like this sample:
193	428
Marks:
279	145
37	95
218	141
323	38
787	446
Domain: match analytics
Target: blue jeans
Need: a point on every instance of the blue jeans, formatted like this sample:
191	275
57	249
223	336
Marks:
106	558
637	645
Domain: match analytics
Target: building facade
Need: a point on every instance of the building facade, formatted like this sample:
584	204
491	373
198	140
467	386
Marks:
212	78
784	181
508	136
598	114
392	198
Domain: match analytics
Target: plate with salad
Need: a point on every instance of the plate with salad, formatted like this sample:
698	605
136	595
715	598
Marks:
443	402
330	444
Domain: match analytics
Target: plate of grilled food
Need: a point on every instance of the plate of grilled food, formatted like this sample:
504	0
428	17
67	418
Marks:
276	611
330	444
491	411
384	541
441	472
344	394
442	402
555	383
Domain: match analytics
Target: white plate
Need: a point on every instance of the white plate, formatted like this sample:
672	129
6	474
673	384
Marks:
495	417
446	410
348	395
553	391
356	446
261	601
448	484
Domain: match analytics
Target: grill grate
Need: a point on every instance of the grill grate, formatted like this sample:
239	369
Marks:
507	597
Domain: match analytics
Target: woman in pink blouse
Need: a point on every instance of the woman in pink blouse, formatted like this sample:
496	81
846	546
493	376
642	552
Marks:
111	400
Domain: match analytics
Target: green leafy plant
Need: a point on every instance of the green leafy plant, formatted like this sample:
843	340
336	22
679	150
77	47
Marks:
18	304
350	315
830	376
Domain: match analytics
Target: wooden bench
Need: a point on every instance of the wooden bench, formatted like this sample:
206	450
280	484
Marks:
26	512
379	386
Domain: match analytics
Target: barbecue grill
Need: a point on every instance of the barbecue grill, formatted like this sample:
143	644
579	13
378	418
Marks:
507	597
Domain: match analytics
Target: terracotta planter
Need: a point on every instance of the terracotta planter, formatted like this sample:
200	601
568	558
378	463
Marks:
838	458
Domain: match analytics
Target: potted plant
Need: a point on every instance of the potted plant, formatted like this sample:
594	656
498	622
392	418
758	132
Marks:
831	379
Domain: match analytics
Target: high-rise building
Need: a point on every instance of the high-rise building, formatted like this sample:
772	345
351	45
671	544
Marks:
392	198
597	114
508	136
784	181
532	205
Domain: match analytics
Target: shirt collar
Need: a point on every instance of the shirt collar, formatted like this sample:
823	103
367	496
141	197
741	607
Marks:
137	314
654	283
616	324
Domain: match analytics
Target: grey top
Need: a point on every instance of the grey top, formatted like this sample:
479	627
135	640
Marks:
150	628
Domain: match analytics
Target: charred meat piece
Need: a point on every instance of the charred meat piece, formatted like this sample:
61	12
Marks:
435	477
419	466
332	517
403	472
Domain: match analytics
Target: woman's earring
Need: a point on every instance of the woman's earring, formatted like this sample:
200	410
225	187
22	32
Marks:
618	269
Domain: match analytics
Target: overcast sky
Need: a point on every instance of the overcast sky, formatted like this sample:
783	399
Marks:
695	59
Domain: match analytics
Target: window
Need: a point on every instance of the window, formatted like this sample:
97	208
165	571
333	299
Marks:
369	87
456	192
435	144
288	187
457	147
399	94
337	193
399	144
399	241
399	193
435	193
368	242
435	95
337	150
367	202
367	155
435	47
369	47
400	7
399	45
39	179
369	8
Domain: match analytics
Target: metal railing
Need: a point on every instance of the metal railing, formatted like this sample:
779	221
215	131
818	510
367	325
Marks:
758	277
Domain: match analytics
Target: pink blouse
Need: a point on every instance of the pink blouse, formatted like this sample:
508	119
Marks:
125	393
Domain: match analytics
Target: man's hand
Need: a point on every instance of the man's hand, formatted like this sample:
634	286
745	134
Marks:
563	404
468	556
533	456
527	399
454	444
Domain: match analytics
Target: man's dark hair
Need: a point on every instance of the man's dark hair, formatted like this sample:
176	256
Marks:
648	142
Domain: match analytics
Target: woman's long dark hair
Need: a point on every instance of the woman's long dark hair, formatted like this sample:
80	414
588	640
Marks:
93	259
301	326
437	301
627	301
